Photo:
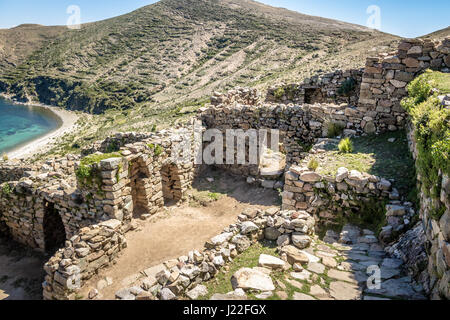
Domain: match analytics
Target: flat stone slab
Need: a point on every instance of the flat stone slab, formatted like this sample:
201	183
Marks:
198	291
304	275
251	279
311	257
360	257
270	262
264	295
329	262
301	296
397	288
296	284
342	276
153	271
319	293
345	291
125	294
392	263
294	255
387	273
221	238
316	267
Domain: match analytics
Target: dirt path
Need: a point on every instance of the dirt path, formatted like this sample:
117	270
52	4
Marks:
21	272
178	230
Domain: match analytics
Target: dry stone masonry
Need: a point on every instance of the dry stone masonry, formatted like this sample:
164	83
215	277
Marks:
82	206
336	87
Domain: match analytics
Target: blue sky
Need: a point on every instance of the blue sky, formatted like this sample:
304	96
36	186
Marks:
407	18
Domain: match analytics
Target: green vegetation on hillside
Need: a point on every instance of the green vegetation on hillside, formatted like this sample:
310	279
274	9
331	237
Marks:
432	130
174	50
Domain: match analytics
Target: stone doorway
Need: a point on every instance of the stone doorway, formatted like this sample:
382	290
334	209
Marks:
171	184
313	95
54	231
141	187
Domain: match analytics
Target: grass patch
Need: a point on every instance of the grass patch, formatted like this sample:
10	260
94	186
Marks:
86	174
313	164
375	155
345	146
432	130
248	259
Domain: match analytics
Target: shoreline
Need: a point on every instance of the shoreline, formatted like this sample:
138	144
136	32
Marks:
41	144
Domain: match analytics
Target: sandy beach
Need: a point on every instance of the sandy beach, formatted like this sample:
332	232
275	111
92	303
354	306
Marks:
42	144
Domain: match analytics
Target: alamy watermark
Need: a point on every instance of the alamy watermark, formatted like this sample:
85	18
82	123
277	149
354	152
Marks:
74	20
374	20
230	147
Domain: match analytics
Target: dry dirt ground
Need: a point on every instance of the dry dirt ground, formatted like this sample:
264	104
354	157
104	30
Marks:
21	272
180	229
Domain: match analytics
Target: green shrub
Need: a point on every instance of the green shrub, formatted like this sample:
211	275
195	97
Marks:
5	157
279	93
347	87
432	131
113	146
313	164
346	145
6	189
85	172
334	129
158	150
214	196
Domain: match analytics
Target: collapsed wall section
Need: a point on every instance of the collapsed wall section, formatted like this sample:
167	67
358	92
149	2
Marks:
336	87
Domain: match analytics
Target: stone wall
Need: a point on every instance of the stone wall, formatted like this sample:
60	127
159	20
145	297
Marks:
12	170
324	195
299	126
336	87
143	175
436	231
238	95
93	248
386	77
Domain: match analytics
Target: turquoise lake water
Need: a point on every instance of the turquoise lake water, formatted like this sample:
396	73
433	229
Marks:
21	124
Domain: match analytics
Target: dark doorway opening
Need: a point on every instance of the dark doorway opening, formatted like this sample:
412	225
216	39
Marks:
171	185
54	231
141	186
313	95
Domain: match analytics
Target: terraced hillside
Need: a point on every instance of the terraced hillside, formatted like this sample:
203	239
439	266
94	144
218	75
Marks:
175	50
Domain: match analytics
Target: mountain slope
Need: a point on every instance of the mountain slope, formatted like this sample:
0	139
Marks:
440	34
178	49
17	43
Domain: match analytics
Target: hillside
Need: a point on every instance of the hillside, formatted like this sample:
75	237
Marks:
178	49
440	34
16	43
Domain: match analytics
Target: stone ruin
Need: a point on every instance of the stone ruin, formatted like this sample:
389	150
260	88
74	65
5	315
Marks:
85	214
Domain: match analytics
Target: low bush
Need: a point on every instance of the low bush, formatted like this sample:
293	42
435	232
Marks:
347	87
334	129
313	164
432	130
346	146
